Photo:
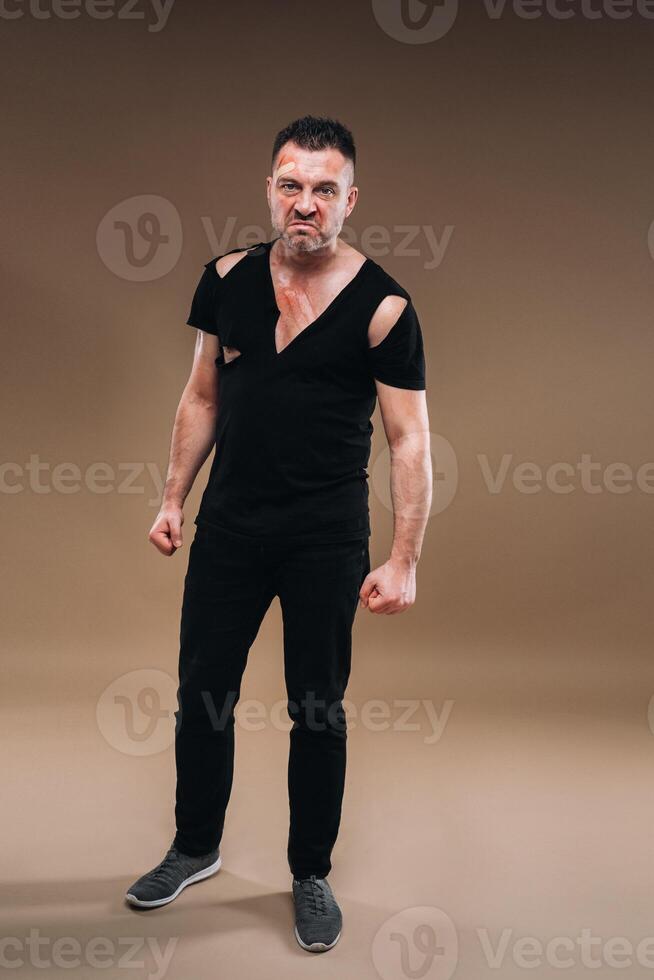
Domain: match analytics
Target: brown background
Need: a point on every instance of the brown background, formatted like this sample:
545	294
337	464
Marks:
533	810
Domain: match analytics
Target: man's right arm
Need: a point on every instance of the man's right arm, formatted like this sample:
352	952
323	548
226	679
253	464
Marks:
192	440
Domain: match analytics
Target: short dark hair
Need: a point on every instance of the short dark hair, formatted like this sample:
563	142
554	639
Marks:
317	133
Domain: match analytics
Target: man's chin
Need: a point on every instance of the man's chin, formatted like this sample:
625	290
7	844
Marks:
302	239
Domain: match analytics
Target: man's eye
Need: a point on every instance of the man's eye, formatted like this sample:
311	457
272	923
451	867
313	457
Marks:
327	190
286	186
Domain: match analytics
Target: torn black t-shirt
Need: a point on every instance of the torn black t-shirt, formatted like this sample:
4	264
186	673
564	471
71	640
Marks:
293	429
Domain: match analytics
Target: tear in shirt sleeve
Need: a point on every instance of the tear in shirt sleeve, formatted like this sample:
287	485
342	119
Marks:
206	300
399	360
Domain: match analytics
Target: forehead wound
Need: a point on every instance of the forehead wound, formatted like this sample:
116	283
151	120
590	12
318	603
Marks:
285	168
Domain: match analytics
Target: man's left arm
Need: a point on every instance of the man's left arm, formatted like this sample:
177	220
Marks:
391	587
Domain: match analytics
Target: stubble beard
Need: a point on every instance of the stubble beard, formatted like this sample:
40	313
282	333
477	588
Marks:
304	241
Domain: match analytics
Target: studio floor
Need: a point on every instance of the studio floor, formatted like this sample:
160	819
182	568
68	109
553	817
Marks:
483	836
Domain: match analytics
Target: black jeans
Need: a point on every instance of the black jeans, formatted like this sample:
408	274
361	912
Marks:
230	582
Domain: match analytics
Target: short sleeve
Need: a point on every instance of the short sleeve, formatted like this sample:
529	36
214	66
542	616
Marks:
206	300
399	360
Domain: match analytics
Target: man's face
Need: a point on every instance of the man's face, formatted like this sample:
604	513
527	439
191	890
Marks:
310	195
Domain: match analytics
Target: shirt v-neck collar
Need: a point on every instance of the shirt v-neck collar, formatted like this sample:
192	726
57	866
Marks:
340	296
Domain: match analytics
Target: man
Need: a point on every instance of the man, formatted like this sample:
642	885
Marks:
297	338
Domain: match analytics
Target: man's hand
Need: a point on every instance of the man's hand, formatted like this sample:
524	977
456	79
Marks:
391	588
166	532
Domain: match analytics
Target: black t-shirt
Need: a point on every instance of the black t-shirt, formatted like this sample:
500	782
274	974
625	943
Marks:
293	429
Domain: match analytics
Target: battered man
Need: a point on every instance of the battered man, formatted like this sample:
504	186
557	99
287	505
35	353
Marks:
297	338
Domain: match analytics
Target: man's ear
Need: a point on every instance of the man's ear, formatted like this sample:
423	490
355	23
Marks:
352	197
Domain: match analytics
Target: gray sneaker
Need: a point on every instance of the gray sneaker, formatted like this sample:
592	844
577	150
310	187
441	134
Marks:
318	919
164	883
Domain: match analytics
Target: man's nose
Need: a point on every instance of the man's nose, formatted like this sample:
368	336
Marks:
304	205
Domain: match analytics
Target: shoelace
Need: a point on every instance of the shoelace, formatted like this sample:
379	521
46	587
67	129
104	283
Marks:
317	895
171	858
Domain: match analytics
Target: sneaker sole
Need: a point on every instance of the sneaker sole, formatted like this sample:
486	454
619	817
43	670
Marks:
316	947
157	902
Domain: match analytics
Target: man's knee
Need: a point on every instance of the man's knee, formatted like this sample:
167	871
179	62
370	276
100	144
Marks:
317	715
202	711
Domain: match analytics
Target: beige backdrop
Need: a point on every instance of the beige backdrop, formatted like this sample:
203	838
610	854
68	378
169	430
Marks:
504	788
